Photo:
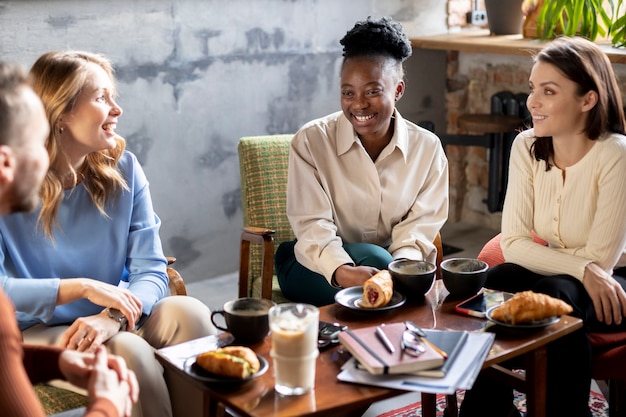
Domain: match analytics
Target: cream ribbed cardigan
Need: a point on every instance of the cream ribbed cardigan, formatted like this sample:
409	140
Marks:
583	218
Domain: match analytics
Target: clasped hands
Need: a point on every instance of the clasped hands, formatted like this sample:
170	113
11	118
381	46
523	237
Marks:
103	375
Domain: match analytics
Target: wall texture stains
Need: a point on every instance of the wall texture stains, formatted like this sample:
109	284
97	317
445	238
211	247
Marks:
259	39
140	145
195	76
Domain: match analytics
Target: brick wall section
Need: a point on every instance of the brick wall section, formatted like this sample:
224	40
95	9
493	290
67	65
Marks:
471	93
469	90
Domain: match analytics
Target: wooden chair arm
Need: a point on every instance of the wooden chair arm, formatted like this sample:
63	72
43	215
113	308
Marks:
264	237
176	283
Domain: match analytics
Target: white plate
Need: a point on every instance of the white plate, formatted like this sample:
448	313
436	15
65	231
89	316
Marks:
194	370
351	298
523	326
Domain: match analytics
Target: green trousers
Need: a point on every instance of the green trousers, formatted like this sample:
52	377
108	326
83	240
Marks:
302	285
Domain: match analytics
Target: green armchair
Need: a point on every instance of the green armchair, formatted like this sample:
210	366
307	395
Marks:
263	162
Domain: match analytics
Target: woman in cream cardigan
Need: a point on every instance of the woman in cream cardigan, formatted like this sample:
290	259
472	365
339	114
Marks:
567	183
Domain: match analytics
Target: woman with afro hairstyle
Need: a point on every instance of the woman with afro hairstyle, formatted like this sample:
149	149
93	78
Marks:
365	186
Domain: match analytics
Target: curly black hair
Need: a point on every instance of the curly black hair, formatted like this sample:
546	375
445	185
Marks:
377	37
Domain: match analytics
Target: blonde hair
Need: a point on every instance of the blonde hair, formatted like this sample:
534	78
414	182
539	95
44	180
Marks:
58	78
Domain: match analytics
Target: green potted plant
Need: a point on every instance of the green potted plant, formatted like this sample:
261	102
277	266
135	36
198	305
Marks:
617	31
592	19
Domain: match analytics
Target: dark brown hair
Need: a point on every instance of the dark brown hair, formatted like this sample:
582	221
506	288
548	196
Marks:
584	63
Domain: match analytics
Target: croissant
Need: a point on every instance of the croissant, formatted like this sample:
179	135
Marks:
231	361
377	290
528	306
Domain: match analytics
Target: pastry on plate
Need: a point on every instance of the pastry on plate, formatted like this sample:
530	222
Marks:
528	307
231	361
377	290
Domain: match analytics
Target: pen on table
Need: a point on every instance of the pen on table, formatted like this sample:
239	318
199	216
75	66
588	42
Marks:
441	352
383	338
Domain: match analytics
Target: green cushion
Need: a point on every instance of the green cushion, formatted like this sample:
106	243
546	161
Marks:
56	400
263	162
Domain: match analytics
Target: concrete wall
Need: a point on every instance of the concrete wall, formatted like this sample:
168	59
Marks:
195	75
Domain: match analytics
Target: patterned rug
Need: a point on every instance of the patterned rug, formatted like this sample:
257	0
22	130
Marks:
597	403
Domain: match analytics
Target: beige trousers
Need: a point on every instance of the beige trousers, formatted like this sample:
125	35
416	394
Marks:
174	319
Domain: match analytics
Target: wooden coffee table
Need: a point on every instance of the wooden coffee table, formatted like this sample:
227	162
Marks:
331	397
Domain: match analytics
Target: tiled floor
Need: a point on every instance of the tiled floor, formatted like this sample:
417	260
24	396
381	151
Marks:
214	292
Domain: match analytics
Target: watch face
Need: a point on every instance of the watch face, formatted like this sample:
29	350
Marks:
117	315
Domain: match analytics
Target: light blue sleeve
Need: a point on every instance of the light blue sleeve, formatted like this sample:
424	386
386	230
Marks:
35	297
145	262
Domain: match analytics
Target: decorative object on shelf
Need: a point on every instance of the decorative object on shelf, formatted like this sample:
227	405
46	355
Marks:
531	9
592	19
504	17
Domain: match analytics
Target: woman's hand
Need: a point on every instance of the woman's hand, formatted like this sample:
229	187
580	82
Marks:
86	334
354	276
608	296
102	294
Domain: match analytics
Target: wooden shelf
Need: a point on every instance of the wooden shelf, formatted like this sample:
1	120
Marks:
481	41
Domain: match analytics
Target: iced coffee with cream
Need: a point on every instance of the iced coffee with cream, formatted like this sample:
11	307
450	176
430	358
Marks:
294	328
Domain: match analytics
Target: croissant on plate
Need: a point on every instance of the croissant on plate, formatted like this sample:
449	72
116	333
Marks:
378	290
231	361
528	306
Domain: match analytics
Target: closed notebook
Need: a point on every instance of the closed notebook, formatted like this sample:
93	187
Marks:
372	355
449	341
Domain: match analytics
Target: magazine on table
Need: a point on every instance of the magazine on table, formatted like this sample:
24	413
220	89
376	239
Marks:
461	375
178	354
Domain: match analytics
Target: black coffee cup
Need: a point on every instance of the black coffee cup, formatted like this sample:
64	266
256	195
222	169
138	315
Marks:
246	319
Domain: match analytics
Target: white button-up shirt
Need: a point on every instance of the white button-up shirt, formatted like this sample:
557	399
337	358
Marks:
336	194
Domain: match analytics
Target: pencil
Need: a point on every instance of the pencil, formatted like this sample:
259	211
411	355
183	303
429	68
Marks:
441	352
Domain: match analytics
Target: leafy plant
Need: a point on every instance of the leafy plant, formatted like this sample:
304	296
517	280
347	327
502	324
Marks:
617	30
588	18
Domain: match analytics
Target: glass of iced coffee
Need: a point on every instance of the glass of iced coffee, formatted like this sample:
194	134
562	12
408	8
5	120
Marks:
294	328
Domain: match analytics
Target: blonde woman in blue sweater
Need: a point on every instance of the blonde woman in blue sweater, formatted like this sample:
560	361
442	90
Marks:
86	269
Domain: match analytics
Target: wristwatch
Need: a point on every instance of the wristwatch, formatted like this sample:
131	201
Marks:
118	316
